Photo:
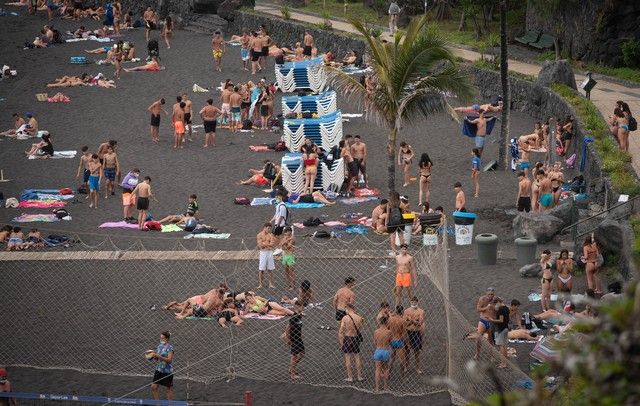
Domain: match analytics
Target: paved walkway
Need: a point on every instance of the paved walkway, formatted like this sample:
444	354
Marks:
604	95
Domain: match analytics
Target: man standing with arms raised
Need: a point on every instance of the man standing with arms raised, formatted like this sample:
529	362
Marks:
209	114
155	109
414	319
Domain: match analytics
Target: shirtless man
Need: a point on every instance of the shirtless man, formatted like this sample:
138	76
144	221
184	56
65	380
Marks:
266	243
209	114
155	109
95	177
343	297
150	22
523	201
188	110
18	122
460	199
524	145
378	216
143	193
348	338
398	338
104	147
495	107
487	312
225	97
245	46
218	47
178	124
308	44
110	167
414	319
199	305
481	130
256	53
405	274
359	154
382	357
83	166
235	99
265	42
546	197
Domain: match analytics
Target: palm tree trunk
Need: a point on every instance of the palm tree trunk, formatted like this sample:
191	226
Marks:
463	22
391	160
503	155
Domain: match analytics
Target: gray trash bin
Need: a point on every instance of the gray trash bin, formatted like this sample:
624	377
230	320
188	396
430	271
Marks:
487	246
526	250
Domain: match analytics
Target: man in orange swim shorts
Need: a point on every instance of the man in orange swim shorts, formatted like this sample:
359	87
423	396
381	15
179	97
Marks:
405	273
178	124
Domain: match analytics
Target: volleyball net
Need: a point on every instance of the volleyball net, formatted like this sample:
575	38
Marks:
98	311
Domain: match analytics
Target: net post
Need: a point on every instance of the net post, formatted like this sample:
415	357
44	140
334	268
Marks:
248	398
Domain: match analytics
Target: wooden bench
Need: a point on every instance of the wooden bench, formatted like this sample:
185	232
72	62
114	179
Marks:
529	37
544	42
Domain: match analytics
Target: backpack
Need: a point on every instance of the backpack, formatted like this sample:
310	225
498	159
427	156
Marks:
242	201
269	171
153	225
395	216
322	234
287	216
312	222
247	124
190	224
83	189
633	124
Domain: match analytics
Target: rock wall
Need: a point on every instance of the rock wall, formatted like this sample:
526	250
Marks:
287	33
182	8
593	30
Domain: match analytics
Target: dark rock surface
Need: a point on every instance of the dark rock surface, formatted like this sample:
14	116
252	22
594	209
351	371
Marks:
557	72
543	227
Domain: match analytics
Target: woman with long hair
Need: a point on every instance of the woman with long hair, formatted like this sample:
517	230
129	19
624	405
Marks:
590	254
425	166
167	31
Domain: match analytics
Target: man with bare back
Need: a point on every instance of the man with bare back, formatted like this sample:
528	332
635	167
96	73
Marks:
178	123
225	98
143	194
155	109
256	53
343	297
349	338
235	100
308	44
188	110
209	114
414	321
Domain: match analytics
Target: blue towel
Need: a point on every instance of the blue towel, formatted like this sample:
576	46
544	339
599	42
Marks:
470	129
303	205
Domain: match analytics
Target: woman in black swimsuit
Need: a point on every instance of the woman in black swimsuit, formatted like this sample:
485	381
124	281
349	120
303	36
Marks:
545	282
425	165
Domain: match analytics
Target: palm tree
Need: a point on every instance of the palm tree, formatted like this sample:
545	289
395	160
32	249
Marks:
413	72
503	156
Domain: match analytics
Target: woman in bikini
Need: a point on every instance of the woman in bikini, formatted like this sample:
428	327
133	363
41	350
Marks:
167	31
557	180
257	304
535	189
547	278
590	254
622	120
405	158
567	134
70	81
118	55
310	161
564	265
425	166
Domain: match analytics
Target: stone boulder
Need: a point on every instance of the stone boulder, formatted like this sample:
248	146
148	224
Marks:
178	21
610	236
563	212
531	271
227	9
557	72
543	227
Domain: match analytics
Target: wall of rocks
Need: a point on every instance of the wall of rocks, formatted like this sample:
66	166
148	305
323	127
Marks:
287	33
593	30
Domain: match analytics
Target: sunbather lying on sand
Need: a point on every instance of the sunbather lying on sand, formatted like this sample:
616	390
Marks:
71	81
151	66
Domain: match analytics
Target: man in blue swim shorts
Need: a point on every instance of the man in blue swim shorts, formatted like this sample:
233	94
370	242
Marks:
95	176
398	330
481	130
111	167
382	354
235	100
487	311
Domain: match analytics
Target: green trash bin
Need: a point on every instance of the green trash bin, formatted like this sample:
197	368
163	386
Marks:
526	248
487	246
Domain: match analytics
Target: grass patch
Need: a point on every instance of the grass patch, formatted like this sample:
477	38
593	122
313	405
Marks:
335	9
635	224
628	74
614	161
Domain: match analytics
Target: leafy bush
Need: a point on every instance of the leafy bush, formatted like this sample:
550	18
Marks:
631	53
286	13
326	23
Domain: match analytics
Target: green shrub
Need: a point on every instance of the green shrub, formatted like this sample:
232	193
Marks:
631	53
286	13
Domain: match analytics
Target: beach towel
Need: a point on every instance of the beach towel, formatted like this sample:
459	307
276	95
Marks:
262	201
117	224
366	192
538	338
217	236
303	205
470	129
64	154
259	148
546	350
199	89
44	194
170	228
356	200
354	229
201	318
261	316
41	204
33	218
351	115
327	224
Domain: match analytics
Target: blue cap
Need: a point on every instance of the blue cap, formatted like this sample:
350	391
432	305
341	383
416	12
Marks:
28	115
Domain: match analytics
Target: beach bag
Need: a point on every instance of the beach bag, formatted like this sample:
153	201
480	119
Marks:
312	222
395	216
322	234
153	225
633	124
60	213
83	189
570	161
269	171
244	201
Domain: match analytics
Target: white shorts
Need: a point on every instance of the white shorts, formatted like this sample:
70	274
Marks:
266	261
226	108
